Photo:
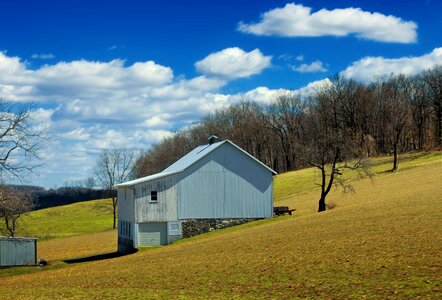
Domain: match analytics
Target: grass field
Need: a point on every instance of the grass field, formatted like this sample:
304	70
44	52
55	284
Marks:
69	220
384	241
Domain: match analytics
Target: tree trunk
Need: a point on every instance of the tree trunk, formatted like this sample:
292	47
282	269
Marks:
14	226
322	206
395	157
439	127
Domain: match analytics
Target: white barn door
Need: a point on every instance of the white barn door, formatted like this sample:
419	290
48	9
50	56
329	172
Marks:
152	234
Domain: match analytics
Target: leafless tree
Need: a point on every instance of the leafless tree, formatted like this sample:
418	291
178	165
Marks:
393	94
283	118
419	102
115	166
18	139
433	78
12	205
330	146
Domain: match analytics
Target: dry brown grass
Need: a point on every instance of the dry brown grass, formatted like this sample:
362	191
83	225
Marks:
382	242
78	246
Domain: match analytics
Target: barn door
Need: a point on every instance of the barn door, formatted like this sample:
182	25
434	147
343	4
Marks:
152	234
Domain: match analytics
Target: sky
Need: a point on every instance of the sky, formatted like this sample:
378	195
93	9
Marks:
103	74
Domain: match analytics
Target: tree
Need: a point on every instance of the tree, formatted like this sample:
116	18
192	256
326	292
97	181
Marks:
19	145
393	94
12	205
18	139
420	108
115	166
434	80
329	145
283	118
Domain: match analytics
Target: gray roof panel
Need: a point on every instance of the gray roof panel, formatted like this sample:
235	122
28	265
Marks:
192	157
188	160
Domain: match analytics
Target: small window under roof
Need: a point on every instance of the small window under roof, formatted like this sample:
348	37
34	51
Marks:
153	196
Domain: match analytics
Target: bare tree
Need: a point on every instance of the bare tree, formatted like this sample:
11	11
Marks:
115	166
418	99
283	118
329	145
433	78
18	139
393	94
12	205
89	183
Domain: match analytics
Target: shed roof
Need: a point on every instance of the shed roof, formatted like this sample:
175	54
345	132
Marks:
188	160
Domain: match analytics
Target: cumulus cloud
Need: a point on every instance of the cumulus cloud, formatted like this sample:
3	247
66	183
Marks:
369	68
314	67
296	20
233	63
90	105
263	94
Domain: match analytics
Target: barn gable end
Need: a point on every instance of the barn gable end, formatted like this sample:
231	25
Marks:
219	182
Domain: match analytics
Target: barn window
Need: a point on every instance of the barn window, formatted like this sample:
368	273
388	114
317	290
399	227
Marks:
153	196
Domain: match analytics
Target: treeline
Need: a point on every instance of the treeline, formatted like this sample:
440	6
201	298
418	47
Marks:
400	113
42	198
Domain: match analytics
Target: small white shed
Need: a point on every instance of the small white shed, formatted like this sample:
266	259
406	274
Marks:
215	181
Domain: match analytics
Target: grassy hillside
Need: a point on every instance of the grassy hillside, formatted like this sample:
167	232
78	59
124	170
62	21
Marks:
384	241
68	220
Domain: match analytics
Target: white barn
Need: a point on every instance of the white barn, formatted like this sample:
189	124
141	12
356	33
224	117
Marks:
215	181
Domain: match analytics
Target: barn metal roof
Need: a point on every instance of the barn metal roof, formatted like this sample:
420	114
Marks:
145	179
188	160
192	157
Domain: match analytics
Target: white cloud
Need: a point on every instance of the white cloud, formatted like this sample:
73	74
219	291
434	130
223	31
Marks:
296	20
90	105
299	57
313	87
43	56
369	68
233	63
263	94
314	67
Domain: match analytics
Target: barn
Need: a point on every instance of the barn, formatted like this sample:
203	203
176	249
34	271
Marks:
215	181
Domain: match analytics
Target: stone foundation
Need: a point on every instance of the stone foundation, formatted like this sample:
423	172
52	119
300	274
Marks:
192	227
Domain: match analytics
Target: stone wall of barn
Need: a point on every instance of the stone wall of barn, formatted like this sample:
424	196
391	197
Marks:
193	227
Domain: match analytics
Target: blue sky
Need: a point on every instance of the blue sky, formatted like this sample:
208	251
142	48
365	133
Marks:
103	73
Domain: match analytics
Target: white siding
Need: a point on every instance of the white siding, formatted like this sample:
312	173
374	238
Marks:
126	211
226	183
165	209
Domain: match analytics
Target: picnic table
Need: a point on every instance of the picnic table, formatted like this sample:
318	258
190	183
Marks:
282	210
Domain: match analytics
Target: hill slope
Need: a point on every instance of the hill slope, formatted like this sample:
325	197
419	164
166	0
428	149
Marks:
382	242
68	220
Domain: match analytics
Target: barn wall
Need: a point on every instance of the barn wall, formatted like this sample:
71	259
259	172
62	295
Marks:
126	219
18	251
125	203
165	209
226	183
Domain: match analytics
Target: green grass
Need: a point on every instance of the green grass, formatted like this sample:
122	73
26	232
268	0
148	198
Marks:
306	180
68	220
384	241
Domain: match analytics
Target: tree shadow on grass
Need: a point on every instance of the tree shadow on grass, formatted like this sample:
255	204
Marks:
103	256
